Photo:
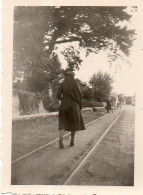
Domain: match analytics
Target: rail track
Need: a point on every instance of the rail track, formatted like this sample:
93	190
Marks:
78	167
48	144
90	152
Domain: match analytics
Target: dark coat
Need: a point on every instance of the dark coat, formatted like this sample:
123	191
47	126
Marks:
109	104
70	117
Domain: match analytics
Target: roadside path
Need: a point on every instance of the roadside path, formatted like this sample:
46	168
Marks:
112	163
51	166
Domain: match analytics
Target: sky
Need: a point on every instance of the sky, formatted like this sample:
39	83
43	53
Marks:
123	74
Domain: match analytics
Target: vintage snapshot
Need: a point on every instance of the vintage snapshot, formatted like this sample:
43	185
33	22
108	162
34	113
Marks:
73	98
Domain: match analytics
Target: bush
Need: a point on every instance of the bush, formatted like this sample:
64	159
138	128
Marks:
28	102
92	103
94	109
53	107
46	102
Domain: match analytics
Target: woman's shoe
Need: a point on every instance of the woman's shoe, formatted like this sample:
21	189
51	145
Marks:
71	144
61	145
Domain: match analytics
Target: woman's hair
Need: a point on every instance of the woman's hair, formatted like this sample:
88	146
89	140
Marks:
71	87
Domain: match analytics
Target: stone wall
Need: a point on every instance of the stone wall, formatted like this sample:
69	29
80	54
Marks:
26	103
15	104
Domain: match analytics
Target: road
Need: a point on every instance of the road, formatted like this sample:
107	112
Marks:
112	162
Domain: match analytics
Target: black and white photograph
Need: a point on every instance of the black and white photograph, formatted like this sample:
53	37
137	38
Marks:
74	95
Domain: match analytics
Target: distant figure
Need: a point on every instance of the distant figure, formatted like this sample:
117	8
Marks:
118	105
70	118
109	106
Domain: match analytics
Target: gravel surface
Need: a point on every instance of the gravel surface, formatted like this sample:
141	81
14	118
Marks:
52	166
112	163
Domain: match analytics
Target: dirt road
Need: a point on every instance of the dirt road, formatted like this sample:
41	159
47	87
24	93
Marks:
52	166
112	163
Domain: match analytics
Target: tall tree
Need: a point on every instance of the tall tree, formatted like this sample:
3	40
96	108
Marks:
95	28
128	100
121	98
86	90
72	57
101	85
38	30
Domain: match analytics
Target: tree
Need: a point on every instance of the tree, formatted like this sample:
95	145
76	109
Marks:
87	92
95	28
72	57
38	30
101	85
113	98
40	77
128	100
121	98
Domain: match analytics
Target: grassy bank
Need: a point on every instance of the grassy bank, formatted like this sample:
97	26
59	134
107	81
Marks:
31	134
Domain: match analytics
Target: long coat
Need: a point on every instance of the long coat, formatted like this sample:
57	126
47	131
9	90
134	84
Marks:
70	117
109	104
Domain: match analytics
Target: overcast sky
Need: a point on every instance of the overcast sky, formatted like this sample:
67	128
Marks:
123	75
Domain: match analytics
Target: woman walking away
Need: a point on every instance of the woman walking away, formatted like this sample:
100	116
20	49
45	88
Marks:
70	118
109	105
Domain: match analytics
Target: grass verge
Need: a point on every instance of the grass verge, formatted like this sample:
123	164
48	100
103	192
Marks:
31	134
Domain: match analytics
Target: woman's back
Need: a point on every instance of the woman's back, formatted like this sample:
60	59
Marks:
70	108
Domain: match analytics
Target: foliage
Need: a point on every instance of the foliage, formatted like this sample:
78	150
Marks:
101	85
92	103
38	78
28	103
72	57
86	91
38	30
121	98
128	100
113	99
53	107
95	28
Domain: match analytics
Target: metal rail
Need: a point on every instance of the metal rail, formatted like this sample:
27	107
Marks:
40	148
89	153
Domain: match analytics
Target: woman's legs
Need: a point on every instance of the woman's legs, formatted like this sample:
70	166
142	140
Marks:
61	145
72	138
62	134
